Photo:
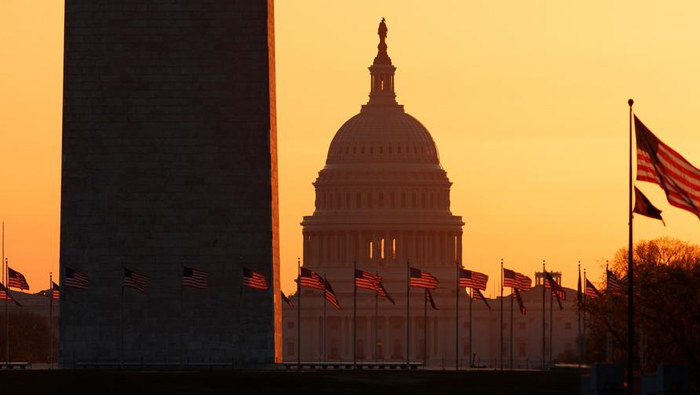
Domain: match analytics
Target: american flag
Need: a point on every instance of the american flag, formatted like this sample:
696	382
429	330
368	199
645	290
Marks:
4	294
514	279
521	304
551	283
660	164
287	300
422	279
429	299
56	291
557	289
194	278
524	282
643	206
384	294
366	280
472	279
253	279
135	280
16	280
615	284
330	295
476	294
591	290
509	279
75	279
310	279
579	292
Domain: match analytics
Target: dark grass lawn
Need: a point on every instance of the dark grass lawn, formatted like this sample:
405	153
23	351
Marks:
98	382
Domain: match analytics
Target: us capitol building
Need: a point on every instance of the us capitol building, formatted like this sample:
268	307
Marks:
383	199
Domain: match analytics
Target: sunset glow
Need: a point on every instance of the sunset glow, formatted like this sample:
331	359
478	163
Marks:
527	103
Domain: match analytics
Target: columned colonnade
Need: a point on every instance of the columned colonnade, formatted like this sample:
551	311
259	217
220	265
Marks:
341	248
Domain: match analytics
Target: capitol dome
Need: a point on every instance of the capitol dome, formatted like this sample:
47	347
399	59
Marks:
382	205
382	134
382	196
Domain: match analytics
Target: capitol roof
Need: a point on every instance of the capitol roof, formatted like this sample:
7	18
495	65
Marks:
382	131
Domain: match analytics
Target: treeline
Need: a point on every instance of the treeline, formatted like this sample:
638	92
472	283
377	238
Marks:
666	307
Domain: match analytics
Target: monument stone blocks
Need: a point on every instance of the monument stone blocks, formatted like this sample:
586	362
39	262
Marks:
169	159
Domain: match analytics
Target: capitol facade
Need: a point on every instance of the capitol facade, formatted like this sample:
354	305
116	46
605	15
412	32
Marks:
383	203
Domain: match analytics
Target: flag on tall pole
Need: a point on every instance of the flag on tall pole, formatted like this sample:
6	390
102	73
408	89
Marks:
135	280
472	279
646	145
579	293
660	164
382	292
422	279
591	290
286	300
75	279
330	295
254	280
429	299
557	289
509	279
55	291
643	206
16	280
516	280
521	303
479	296
194	278
365	280
614	284
309	279
6	295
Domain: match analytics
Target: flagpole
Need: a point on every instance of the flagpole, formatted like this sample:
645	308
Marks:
376	322
471	361
580	307
324	315
425	329
630	278
543	311
551	324
354	314
457	316
408	311
608	335
182	314
6	275
500	330
299	313
583	353
511	330
51	320
121	354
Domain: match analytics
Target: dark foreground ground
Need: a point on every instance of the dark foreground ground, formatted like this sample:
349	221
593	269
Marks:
99	382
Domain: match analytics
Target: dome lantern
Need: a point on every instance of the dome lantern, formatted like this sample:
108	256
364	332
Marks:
382	73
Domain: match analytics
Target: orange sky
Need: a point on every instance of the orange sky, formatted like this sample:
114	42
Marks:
526	101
